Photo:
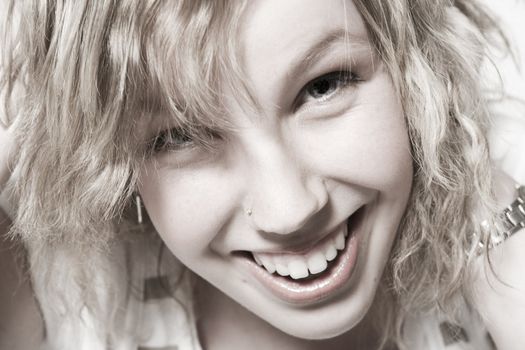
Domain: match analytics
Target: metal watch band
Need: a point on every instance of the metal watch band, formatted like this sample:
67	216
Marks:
508	222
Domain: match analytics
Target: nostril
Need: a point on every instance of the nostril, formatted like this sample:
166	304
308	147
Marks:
317	187
284	223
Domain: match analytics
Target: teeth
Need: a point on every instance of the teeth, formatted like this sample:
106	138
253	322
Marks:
340	241
282	269
300	266
330	252
317	263
298	269
265	261
269	266
257	259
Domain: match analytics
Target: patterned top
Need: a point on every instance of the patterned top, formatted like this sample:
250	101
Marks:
162	313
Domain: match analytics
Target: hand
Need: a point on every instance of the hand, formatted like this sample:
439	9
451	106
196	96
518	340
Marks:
499	293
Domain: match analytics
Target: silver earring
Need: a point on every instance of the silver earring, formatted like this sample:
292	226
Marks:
138	203
249	212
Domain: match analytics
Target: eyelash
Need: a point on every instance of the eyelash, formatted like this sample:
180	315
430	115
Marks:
171	140
164	141
343	79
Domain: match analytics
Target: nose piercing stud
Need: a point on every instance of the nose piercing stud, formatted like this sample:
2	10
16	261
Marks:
249	212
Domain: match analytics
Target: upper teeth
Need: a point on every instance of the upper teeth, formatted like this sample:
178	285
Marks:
301	266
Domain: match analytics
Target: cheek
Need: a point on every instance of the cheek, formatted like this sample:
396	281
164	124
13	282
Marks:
187	206
368	145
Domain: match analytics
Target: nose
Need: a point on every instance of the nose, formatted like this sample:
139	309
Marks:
283	194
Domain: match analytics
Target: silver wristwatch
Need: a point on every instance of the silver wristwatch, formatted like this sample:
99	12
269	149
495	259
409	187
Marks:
508	222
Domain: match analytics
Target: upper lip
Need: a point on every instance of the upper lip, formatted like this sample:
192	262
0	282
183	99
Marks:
304	247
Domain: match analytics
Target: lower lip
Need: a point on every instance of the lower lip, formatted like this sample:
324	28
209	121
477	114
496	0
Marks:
326	284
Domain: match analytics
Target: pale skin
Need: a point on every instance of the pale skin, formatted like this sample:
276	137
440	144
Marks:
300	170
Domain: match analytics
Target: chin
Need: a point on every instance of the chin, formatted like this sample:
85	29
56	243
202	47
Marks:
326	325
354	277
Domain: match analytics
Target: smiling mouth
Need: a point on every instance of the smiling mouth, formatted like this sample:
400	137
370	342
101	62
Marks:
308	265
310	277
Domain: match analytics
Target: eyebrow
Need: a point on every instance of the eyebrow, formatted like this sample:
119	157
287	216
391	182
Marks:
320	47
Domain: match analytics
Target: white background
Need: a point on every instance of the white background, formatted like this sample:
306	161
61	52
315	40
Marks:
508	131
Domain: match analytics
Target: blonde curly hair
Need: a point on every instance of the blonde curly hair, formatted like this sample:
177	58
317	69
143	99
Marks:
92	71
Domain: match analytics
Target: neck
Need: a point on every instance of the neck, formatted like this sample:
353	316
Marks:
224	324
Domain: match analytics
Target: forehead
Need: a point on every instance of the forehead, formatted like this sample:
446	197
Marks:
277	24
277	35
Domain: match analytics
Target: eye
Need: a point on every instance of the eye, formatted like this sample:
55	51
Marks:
323	88
171	140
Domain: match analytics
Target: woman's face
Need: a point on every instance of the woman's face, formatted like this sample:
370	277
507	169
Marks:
324	163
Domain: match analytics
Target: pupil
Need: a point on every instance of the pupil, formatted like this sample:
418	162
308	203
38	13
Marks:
322	87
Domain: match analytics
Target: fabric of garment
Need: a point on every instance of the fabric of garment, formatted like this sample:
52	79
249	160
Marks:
155	310
431	332
164	309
